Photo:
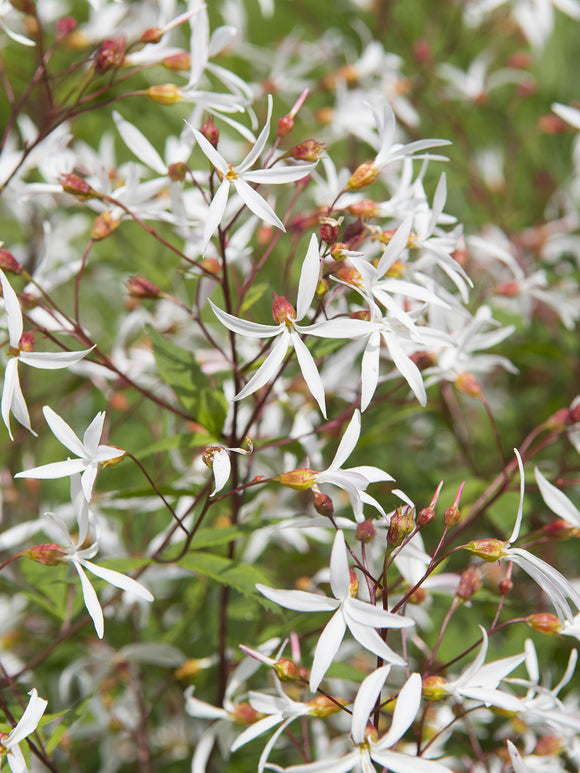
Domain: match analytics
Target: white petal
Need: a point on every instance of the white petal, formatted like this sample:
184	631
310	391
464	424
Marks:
363	613
260	143
91	601
569	114
516	759
257	204
396	246
365	700
518	523
370	369
348	442
221	467
326	648
13	311
29	721
63	432
279	175
403	763
299	600
215	212
215	159
54	470
406	367
92	436
309	276
309	371
139	145
10	381
371	641
119	580
16	760
339	569
406	708
88	480
269	368
52	360
243	327
556	500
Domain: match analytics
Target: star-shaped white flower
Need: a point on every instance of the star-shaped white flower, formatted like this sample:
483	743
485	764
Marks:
240	176
12	397
77	555
557	501
90	453
27	725
360	617
288	332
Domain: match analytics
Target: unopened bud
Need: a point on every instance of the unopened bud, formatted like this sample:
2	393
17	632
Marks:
350	275
338	250
508	289
285	125
65	26
505	586
286	670
362	177
364	209
434	688
48	554
328	230
452	514
9	263
322	706
323	504
180	62
139	287
152	35
110	54
188	670
551	124
365	531
544	622
401	525
423	360
244	714
549	746
282	310
309	150
104	226
165	94
211	132
469	583
300	479
425	516
212	266
560	529
72	183
176	172
488	549
468	385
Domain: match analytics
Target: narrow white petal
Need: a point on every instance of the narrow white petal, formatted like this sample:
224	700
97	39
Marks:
221	467
257	204
243	327
370	369
365	700
309	371
406	708
260	143
54	470
406	367
309	276
269	368
139	145
91	601
299	600
556	500
569	114
10	380
403	763
52	360
63	432
278	175
88	480
438	204
29	720
396	246
326	648
13	311
515	756
256	730
215	159
348	442
339	569
16	760
363	613
371	641
119	580
518	523
215	212
92	436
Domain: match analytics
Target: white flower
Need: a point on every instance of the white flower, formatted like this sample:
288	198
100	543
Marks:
217	458
75	554
360	617
287	331
26	726
556	500
12	397
239	176
90	453
369	749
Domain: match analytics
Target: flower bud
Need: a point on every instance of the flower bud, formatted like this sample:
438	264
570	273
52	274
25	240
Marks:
508	289
72	183
309	150
152	35
323	504
180	62
285	125
300	479
469	583
286	670
282	310
434	688
210	132
549	746
322	706
365	531
560	529
488	549
212	266
452	514
505	586
188	670
401	525
65	26
328	230
337	251
139	287
425	516
467	384
9	263
110	54
362	177
322	288
350	275
48	554
364	209
544	622
176	172
104	226
244	714
165	94
551	124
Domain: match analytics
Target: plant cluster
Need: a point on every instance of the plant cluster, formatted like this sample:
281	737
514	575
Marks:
310	294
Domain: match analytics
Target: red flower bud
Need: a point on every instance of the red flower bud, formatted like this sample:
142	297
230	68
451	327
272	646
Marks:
9	263
110	54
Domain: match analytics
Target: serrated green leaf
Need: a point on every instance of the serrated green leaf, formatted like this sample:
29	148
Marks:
235	574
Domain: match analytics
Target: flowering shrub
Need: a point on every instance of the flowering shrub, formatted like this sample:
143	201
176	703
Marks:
310	282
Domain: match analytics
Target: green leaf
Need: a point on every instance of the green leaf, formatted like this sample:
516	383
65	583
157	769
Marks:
254	294
181	371
68	718
242	577
183	442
